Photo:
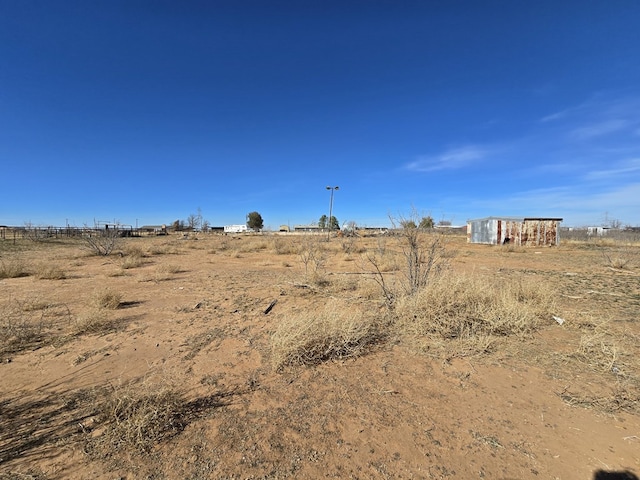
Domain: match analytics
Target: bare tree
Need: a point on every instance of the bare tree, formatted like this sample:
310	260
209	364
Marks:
193	221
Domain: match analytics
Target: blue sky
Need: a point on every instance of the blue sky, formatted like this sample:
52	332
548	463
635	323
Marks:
146	111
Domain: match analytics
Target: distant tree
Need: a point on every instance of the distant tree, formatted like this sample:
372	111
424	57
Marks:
254	221
193	221
205	225
426	222
408	224
323	223
444	223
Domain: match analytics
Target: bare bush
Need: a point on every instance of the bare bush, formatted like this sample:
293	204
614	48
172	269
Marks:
620	258
101	242
313	256
425	258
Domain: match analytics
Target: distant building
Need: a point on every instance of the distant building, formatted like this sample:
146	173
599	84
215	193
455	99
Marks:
598	231
235	228
527	231
284	228
307	228
153	230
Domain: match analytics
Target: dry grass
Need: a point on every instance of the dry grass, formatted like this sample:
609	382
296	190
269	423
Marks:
105	298
30	323
163	249
600	348
44	271
94	320
284	246
13	268
473	310
162	273
623	396
337	332
19	329
134	257
137	417
621	257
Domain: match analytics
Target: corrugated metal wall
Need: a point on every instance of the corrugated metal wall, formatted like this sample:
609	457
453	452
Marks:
527	232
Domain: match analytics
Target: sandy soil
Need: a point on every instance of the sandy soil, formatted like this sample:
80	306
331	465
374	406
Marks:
191	320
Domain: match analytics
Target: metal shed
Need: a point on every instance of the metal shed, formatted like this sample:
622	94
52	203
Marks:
527	231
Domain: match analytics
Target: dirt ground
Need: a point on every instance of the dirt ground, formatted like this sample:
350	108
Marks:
189	335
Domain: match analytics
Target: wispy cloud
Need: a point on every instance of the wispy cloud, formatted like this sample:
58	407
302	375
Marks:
451	159
598	129
621	169
554	116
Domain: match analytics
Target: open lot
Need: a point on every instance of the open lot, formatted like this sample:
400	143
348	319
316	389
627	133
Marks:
276	356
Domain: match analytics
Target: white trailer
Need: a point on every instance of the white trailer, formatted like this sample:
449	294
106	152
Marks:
235	228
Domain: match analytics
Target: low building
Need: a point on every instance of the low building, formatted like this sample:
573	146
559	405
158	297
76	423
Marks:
153	230
525	231
308	228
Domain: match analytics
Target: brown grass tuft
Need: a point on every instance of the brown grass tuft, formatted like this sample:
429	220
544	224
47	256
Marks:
334	333
45	271
106	298
473	310
137	417
13	268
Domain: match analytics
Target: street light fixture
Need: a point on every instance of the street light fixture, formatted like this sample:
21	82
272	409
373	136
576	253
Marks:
330	210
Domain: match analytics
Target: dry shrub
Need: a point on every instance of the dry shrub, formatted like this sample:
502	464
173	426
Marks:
313	255
251	245
164	249
282	246
472	311
131	262
162	273
49	272
337	332
101	242
319	279
137	416
13	268
133	257
18	329
94	320
106	298
621	258
600	347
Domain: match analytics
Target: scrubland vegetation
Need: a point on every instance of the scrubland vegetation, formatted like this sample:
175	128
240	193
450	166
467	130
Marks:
208	364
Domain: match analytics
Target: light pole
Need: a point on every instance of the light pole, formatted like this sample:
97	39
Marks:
330	210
